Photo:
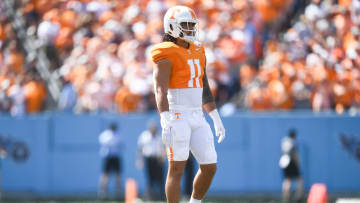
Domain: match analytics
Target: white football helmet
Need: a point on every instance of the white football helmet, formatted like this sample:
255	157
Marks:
181	22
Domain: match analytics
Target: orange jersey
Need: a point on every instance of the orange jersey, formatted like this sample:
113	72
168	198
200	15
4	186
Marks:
187	64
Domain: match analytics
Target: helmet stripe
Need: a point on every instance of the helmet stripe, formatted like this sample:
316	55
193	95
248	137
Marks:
192	13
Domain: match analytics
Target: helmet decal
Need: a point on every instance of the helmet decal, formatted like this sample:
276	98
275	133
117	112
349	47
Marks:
174	11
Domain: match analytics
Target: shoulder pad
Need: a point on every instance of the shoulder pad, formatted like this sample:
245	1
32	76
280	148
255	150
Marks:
162	50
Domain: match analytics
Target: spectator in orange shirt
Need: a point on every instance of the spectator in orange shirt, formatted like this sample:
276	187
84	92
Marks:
35	94
15	58
258	99
126	101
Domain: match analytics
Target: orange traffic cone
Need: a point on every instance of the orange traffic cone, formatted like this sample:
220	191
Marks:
130	191
318	194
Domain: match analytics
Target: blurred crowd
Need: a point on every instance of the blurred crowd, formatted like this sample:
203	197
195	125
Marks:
313	64
261	54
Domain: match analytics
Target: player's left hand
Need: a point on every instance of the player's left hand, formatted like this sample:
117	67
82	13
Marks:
219	131
218	125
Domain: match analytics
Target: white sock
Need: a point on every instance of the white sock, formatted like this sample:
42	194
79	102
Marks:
192	200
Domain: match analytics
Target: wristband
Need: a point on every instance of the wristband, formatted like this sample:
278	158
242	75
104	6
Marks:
214	114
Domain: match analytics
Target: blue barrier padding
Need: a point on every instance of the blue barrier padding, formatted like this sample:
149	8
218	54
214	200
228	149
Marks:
64	156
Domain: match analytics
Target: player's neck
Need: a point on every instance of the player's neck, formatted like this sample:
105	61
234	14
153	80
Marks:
182	43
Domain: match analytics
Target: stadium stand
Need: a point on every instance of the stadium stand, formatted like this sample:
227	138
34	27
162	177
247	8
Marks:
93	55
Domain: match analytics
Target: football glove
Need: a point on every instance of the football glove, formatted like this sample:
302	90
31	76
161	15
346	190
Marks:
218	125
165	119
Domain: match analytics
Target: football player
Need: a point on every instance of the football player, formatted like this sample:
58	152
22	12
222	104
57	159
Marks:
182	92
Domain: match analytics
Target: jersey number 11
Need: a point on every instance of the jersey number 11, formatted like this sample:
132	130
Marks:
194	75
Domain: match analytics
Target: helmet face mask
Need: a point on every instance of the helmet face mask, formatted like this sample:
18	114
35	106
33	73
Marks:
189	30
181	22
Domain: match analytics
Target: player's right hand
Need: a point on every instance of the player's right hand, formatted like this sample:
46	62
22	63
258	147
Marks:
166	133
